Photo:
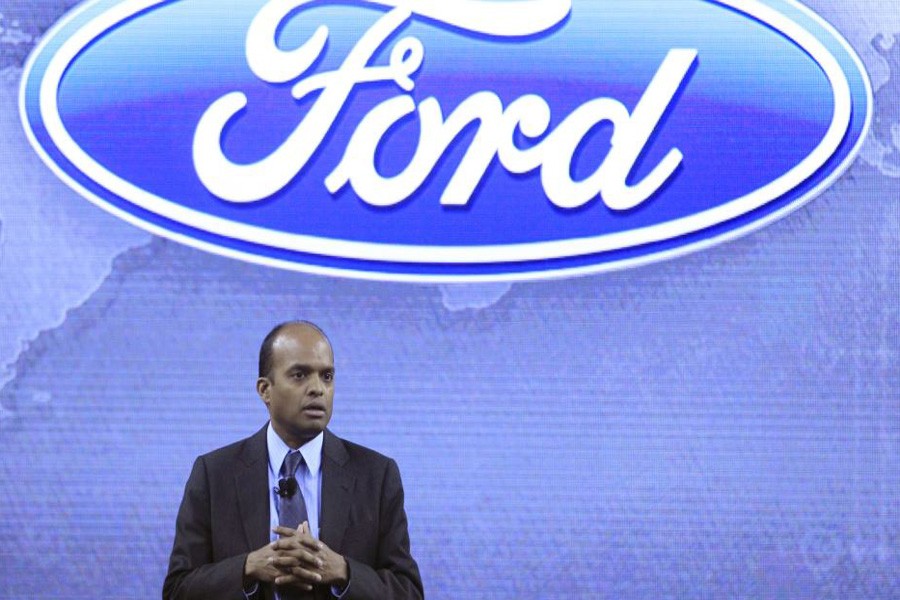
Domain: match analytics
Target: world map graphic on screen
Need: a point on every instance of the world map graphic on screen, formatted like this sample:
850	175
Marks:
722	424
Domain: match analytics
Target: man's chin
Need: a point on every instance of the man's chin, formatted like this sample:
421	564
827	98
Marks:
310	428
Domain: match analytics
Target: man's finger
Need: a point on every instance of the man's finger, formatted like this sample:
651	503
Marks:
312	544
306	575
297	560
291	581
300	557
299	576
285	531
284	544
285	562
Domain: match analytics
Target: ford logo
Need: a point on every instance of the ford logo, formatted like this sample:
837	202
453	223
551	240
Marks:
446	141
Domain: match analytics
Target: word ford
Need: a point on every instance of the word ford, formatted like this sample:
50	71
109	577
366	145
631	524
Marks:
529	115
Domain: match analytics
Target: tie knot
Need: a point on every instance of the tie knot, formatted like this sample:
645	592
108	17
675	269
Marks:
291	463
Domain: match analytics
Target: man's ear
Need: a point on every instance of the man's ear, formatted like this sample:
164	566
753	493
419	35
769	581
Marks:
262	388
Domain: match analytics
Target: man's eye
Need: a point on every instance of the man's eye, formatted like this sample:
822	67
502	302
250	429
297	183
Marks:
328	376
298	375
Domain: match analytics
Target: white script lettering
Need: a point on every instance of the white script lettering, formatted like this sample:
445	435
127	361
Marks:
496	129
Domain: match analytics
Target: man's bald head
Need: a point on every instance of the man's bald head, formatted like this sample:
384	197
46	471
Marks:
265	349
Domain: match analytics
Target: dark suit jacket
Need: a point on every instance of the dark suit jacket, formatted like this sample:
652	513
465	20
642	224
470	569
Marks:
225	515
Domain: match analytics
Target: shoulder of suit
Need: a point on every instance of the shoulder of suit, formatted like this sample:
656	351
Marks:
239	448
359	452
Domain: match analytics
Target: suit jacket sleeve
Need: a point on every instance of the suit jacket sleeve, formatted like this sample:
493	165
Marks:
393	574
194	573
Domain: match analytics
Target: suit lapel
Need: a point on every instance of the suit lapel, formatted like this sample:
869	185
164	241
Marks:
252	481
337	485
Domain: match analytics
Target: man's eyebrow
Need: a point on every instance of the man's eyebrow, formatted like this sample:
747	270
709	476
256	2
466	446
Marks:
305	367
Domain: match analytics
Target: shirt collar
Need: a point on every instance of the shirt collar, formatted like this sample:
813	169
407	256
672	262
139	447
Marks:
311	451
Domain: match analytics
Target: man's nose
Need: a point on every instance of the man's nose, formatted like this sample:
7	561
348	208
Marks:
316	385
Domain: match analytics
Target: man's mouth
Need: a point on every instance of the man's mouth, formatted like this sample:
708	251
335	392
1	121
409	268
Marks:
314	410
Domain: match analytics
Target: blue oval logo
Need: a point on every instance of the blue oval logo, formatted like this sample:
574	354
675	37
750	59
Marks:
466	140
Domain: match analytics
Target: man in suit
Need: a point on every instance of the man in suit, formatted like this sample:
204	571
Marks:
231	541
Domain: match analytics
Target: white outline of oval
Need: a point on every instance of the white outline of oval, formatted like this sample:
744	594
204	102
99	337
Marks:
397	254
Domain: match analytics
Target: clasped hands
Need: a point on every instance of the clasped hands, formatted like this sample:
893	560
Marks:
297	559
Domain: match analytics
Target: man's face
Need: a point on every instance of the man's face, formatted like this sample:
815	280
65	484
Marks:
299	390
